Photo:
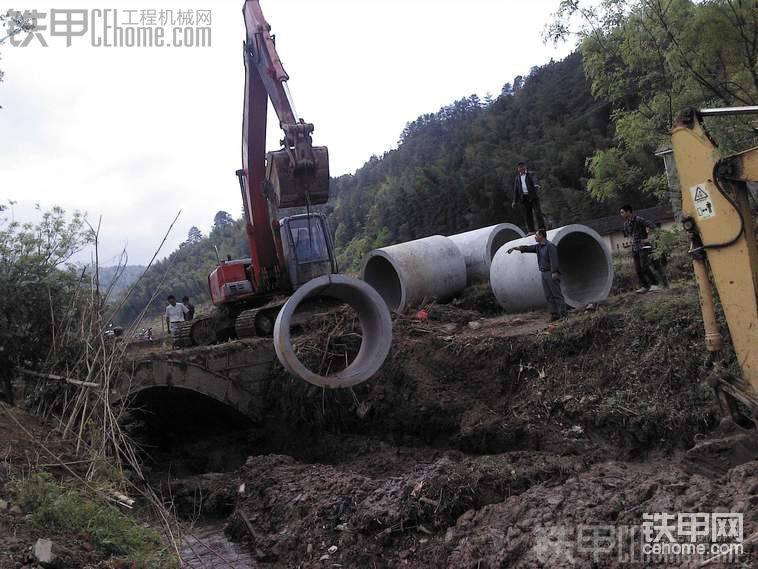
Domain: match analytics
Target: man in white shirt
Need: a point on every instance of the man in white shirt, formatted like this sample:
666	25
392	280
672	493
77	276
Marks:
525	187
175	312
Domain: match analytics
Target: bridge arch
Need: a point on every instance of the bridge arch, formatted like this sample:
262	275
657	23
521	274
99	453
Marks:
234	373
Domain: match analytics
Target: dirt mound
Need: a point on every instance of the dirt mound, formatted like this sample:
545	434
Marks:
539	528
621	380
294	512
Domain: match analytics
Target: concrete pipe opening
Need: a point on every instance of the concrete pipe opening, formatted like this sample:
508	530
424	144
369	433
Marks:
586	268
423	270
586	271
479	246
382	275
375	324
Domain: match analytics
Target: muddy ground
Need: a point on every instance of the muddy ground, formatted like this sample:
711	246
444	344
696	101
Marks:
486	441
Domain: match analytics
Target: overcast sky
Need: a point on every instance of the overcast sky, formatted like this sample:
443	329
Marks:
135	134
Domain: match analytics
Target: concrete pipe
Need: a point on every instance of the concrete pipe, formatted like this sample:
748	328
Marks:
376	328
480	245
586	270
408	274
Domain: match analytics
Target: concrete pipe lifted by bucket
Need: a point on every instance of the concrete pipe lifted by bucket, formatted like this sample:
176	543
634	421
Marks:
586	270
407	274
374	318
480	245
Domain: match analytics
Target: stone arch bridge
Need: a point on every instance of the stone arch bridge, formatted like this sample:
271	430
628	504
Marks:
234	373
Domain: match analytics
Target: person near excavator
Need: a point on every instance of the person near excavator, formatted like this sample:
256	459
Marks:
637	227
175	312
190	308
525	192
549	267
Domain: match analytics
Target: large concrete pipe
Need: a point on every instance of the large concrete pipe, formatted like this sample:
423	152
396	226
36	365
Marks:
376	328
408	274
480	245
586	270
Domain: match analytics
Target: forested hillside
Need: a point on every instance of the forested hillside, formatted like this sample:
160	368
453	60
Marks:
452	169
185	271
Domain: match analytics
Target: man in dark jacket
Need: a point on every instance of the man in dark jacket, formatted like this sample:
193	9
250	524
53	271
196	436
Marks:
636	227
547	262
190	308
525	192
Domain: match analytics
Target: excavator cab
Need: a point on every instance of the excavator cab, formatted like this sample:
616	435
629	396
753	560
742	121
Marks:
307	246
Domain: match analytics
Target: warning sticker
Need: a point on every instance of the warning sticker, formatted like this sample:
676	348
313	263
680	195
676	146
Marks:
702	201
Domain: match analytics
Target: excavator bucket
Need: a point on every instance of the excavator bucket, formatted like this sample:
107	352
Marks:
299	185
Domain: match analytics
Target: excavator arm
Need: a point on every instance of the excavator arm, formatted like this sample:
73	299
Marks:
299	172
295	176
718	217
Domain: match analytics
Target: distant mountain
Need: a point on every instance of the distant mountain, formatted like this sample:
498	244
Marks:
125	277
186	270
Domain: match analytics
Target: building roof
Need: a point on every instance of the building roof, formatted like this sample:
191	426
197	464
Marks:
614	223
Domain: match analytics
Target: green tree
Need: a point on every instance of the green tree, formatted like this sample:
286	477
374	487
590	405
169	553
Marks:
194	236
38	287
651	58
222	219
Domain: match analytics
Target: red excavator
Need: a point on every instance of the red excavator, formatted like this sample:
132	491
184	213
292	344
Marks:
284	253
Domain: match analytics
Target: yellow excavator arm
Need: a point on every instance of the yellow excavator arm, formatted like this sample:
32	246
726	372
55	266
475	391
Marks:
717	215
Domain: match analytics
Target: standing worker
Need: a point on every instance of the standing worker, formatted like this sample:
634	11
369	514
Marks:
175	312
190	308
525	192
636	227
547	262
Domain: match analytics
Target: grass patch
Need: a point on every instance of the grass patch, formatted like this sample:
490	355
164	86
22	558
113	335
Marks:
55	508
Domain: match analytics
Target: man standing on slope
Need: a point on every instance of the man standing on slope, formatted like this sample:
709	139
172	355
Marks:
175	312
636	227
525	188
547	262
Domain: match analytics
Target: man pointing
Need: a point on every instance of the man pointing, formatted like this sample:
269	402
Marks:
547	262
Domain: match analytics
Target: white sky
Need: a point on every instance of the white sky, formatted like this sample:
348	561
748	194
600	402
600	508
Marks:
135	134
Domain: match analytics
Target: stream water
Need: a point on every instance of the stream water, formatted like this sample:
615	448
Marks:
209	548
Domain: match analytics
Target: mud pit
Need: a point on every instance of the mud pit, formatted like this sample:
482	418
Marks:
480	446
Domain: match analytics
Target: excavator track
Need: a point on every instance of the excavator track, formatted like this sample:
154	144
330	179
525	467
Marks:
198	332
258	321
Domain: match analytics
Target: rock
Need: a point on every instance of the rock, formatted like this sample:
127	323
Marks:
449	327
43	551
324	557
332	549
309	549
554	500
466	517
16	510
474	325
3	505
449	535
